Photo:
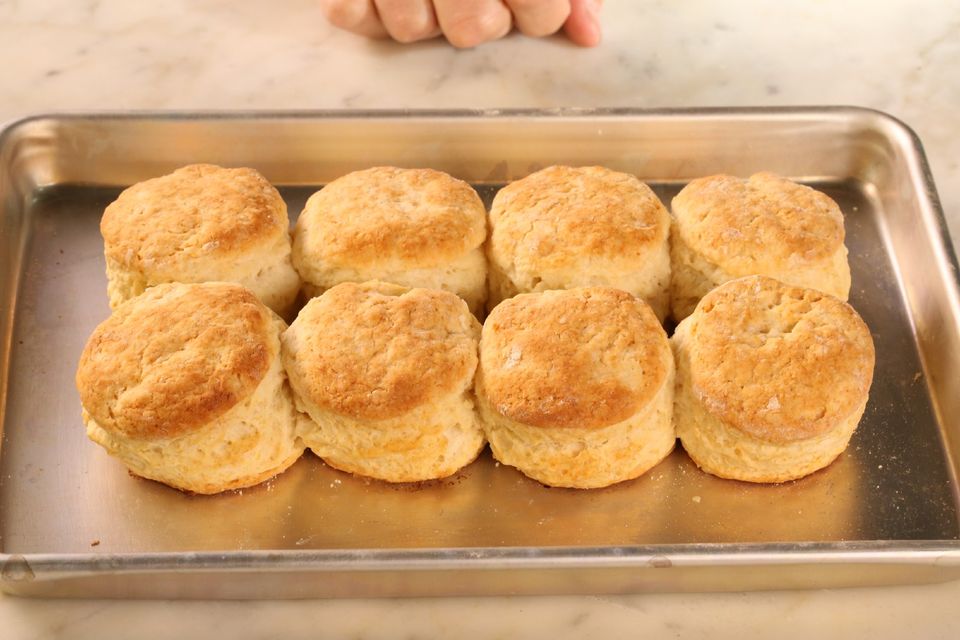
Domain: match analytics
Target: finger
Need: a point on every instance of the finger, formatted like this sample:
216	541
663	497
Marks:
539	17
356	16
467	24
583	25
408	20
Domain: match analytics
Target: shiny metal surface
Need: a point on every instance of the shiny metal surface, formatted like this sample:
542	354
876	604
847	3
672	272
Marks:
73	523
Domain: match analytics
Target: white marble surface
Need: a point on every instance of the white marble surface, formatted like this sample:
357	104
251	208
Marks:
897	56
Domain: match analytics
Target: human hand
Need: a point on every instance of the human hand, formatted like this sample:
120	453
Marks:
466	23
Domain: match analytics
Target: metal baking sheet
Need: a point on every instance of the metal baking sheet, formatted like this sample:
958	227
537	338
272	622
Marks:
74	523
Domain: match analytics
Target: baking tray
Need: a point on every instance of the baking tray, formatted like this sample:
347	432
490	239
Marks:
74	523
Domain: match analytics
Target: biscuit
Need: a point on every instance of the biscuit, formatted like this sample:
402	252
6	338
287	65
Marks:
413	227
201	223
385	374
565	227
726	228
772	379
184	384
575	386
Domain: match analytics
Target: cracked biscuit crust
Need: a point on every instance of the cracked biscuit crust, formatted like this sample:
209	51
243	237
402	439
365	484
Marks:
418	217
175	358
375	351
766	223
562	213
587	358
199	213
777	362
567	227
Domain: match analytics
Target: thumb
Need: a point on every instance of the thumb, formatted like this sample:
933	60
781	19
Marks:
583	24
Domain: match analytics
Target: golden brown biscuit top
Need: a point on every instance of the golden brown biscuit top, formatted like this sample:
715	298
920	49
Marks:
175	358
419	216
376	350
198	211
567	214
587	357
780	363
765	222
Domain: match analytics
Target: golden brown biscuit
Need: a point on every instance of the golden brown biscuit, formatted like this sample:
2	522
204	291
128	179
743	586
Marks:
566	227
726	228
576	387
414	227
771	379
385	373
184	384
201	223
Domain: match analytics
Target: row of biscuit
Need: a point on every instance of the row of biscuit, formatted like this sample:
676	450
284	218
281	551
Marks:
188	383
558	228
185	383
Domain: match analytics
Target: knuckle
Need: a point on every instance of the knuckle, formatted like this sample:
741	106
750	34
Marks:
540	17
533	5
405	28
540	30
471	30
342	13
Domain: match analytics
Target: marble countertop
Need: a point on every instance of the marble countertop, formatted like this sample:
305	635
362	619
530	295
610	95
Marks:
245	54
896	56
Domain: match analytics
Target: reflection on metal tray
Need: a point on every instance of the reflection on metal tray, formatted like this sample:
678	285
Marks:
73	523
